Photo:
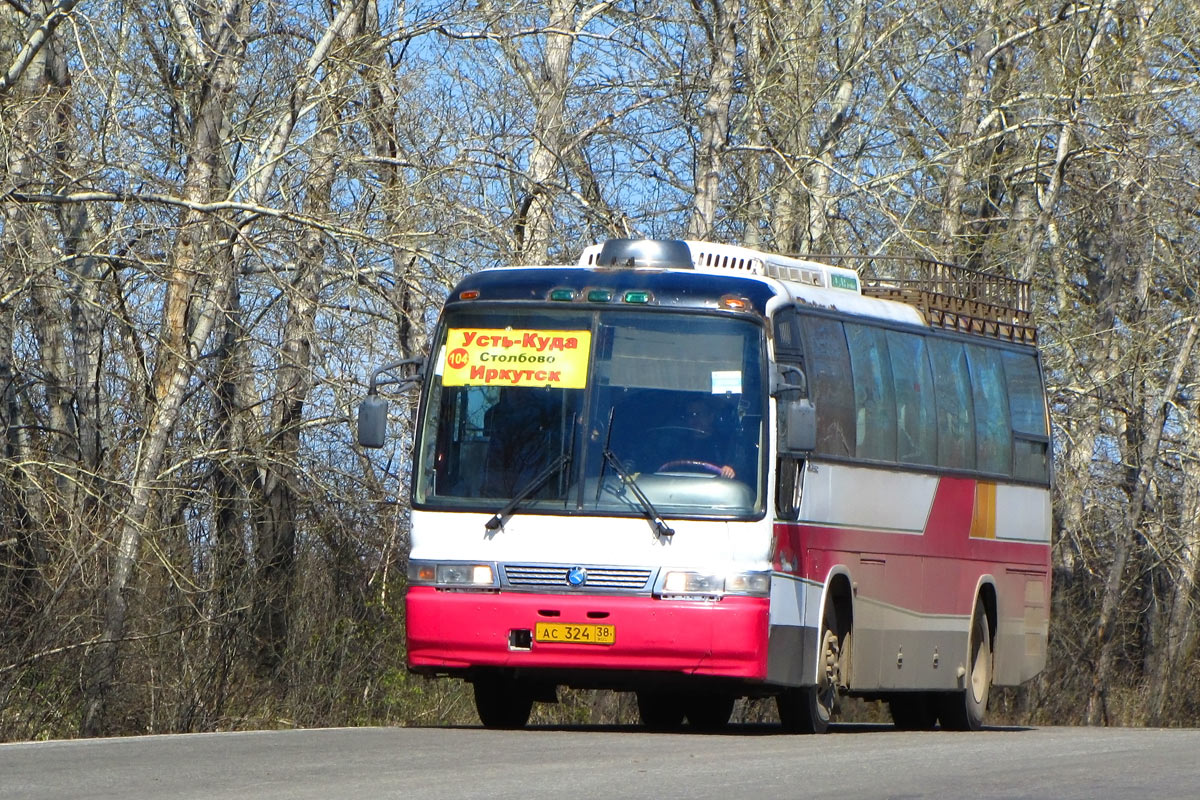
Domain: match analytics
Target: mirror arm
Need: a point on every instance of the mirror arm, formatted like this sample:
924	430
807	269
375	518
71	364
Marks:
373	387
780	385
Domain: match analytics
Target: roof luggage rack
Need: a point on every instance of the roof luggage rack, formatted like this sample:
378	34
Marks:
953	297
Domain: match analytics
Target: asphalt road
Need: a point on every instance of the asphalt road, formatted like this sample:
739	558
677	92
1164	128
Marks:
853	761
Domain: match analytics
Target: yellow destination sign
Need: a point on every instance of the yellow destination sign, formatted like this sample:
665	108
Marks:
507	357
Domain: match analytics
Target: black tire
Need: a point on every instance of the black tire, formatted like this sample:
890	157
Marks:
660	711
502	704
964	710
800	712
808	709
709	712
914	711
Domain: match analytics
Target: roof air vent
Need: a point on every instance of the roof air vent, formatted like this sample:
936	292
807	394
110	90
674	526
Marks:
657	253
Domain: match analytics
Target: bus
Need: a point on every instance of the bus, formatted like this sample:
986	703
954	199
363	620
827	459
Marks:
699	472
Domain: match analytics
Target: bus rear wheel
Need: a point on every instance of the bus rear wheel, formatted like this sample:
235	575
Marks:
963	710
502	703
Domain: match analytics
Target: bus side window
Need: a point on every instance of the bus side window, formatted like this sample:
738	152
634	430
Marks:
874	395
993	436
788	469
955	406
1031	437
830	386
916	425
788	487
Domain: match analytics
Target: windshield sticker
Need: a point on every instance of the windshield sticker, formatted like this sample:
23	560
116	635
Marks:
511	357
727	381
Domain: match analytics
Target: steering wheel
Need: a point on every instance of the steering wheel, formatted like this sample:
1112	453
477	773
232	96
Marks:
676	430
703	466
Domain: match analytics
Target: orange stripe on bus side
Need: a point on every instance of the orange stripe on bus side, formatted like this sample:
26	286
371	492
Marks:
983	520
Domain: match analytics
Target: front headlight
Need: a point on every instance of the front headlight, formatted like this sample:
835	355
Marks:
684	583
453	574
757	584
679	582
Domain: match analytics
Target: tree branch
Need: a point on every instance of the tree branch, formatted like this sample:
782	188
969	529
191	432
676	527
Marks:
36	41
252	210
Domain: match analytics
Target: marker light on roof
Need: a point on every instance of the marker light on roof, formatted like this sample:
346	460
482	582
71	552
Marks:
637	297
600	295
734	303
563	294
469	294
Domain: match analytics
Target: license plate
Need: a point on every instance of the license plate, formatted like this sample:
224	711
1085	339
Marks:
578	634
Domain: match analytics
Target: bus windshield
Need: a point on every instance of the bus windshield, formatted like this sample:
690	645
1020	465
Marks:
677	398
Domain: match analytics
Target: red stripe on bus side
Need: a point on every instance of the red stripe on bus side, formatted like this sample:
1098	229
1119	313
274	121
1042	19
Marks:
931	572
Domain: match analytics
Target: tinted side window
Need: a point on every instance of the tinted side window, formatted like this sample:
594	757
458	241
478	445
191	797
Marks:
874	397
955	407
993	439
916	427
830	386
1025	394
1031	442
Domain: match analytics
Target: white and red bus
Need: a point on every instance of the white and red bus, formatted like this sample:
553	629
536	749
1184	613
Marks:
701	472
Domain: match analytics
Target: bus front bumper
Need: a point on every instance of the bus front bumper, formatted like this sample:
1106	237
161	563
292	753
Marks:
457	631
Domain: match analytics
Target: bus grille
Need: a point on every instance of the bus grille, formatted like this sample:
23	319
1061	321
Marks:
555	576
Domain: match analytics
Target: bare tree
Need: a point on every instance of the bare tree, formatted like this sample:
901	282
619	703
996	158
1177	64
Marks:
720	20
216	63
214	214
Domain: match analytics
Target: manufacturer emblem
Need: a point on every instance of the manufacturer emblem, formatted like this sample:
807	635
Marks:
577	576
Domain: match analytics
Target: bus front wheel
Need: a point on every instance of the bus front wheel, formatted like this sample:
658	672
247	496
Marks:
660	710
502	703
709	712
808	709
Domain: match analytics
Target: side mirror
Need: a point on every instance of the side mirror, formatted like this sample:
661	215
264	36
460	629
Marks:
372	412
800	426
372	421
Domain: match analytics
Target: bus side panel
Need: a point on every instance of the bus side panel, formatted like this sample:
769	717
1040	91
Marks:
792	646
915	590
1023	514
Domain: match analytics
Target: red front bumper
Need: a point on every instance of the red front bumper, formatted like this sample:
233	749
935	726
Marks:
460	630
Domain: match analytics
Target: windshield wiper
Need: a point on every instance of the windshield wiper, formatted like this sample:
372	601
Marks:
660	525
521	496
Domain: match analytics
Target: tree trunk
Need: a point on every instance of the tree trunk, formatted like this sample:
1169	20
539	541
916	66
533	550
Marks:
820	173
961	145
547	81
41	498
1179	638
1147	460
184	331
279	473
720	28
1143	455
1064	147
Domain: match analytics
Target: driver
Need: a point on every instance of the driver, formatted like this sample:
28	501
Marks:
706	445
